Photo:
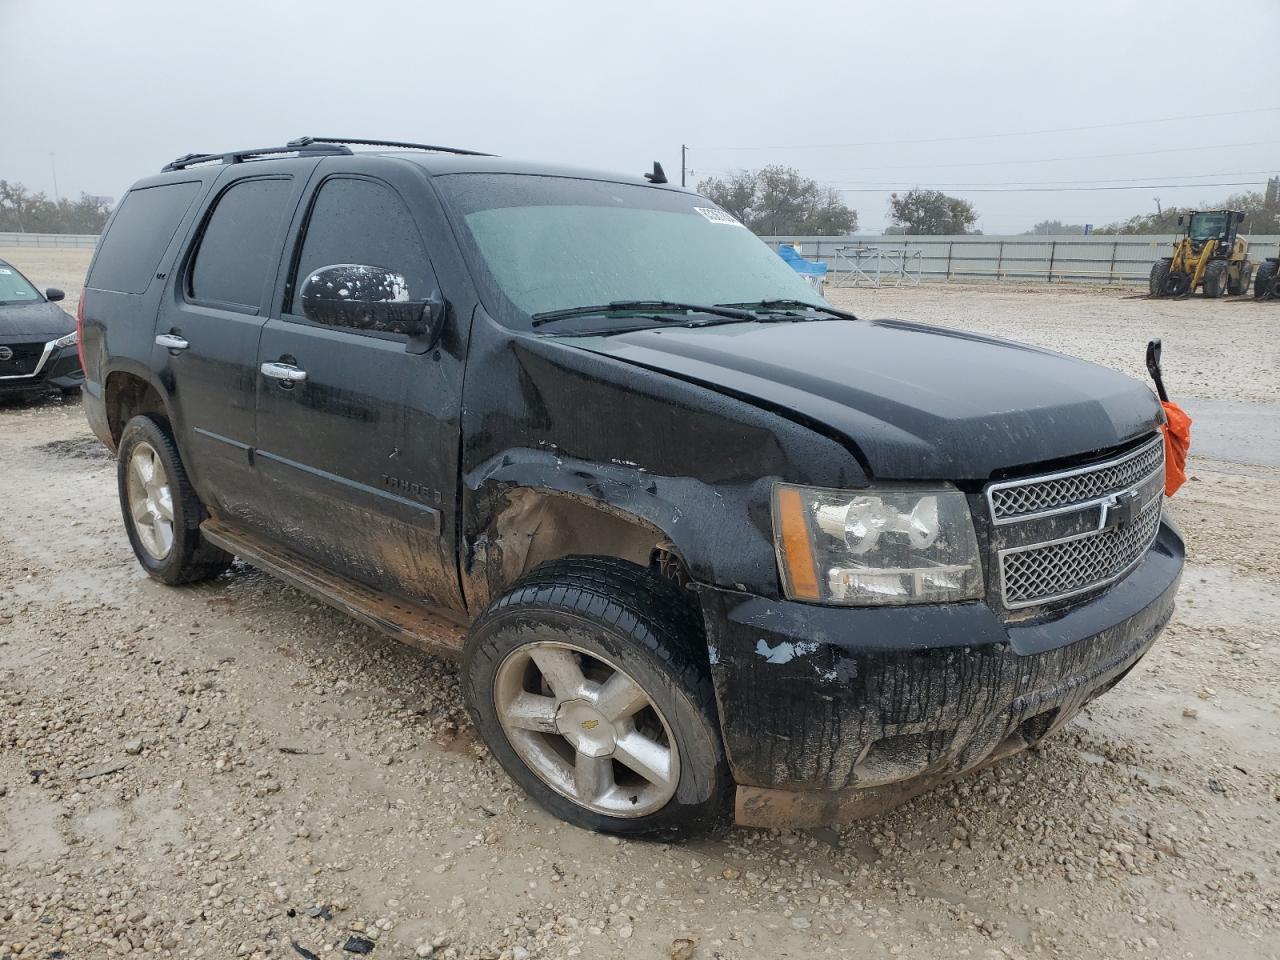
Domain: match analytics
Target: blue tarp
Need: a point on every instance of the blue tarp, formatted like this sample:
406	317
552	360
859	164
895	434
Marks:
806	268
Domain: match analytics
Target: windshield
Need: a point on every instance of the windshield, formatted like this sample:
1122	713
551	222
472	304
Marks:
553	243
14	287
1208	226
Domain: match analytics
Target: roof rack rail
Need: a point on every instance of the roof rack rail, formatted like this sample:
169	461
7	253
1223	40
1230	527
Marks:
299	147
309	147
307	141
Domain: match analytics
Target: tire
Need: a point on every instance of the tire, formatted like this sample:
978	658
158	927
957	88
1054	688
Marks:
1239	284
1177	284
1264	279
1159	271
1215	279
600	615
183	556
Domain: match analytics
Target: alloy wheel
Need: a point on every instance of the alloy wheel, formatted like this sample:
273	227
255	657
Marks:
587	728
150	500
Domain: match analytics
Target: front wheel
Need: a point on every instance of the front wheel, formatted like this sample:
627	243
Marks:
589	682
1266	282
162	513
1159	273
1215	279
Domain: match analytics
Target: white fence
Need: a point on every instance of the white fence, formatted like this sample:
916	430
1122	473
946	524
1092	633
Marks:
65	240
1093	259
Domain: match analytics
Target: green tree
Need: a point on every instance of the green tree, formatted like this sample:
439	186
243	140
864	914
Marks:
24	212
931	212
1054	227
1261	210
778	201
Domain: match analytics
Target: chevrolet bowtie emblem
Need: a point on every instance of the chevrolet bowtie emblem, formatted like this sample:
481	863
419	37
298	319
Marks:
1118	510
590	724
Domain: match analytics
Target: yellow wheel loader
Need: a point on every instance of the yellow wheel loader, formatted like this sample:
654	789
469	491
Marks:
1210	255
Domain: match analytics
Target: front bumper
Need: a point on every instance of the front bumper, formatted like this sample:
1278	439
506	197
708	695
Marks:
57	369
834	713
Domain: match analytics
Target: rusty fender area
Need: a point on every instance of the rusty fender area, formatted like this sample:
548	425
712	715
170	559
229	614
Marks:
861	708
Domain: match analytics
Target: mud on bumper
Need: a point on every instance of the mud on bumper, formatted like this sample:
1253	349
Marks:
832	714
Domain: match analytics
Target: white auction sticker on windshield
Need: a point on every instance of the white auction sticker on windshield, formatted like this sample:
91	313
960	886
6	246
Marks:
716	215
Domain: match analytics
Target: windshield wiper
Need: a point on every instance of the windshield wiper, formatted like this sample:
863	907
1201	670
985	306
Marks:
767	305
642	306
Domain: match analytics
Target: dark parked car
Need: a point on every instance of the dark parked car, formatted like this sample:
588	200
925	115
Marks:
37	339
691	530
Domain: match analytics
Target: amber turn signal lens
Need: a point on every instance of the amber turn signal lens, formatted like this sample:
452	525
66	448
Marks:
797	549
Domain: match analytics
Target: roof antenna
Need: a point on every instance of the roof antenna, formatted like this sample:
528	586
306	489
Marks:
657	176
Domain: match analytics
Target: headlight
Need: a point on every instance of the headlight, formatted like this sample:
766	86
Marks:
68	341
906	545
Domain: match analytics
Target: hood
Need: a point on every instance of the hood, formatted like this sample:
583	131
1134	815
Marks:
33	321
919	402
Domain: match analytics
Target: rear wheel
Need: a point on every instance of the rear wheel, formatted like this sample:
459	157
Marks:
589	682
1266	281
1215	278
1159	272
162	513
1238	280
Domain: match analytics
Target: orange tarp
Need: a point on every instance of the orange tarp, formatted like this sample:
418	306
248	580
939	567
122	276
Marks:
1177	441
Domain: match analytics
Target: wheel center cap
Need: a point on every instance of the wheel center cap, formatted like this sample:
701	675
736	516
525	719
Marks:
585	727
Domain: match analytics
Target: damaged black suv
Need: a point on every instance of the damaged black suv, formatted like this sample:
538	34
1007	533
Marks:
695	534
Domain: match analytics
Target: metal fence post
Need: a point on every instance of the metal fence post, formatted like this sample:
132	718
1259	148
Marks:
1111	270
999	259
950	246
1053	251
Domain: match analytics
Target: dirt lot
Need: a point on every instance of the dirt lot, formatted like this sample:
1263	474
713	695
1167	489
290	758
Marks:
230	769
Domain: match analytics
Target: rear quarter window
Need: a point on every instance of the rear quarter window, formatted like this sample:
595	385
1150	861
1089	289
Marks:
138	235
240	246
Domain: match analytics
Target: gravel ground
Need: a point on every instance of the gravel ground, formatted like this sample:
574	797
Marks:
231	769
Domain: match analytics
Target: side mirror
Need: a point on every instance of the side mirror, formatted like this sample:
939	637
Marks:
53	295
363	297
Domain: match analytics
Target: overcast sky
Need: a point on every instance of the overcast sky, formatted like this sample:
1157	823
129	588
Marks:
114	90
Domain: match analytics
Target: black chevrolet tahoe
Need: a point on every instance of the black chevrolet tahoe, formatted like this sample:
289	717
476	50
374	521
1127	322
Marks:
696	536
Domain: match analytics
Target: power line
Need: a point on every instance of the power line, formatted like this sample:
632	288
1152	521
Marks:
1078	182
1087	156
995	136
1139	186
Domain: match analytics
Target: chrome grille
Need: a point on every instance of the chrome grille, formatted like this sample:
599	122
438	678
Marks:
1074	488
1061	534
1052	571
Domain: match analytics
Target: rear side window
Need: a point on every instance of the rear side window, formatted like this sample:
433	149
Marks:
240	245
139	234
362	222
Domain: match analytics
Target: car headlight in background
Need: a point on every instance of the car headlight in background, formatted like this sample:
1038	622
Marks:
859	547
68	341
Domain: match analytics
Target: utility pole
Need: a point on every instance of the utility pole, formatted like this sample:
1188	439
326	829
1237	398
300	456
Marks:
54	167
684	149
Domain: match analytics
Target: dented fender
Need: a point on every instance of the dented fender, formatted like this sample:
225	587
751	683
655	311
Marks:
566	451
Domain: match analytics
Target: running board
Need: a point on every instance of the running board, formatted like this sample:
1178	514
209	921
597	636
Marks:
410	623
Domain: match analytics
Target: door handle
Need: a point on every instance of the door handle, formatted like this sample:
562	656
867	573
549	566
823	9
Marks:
286	372
171	341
